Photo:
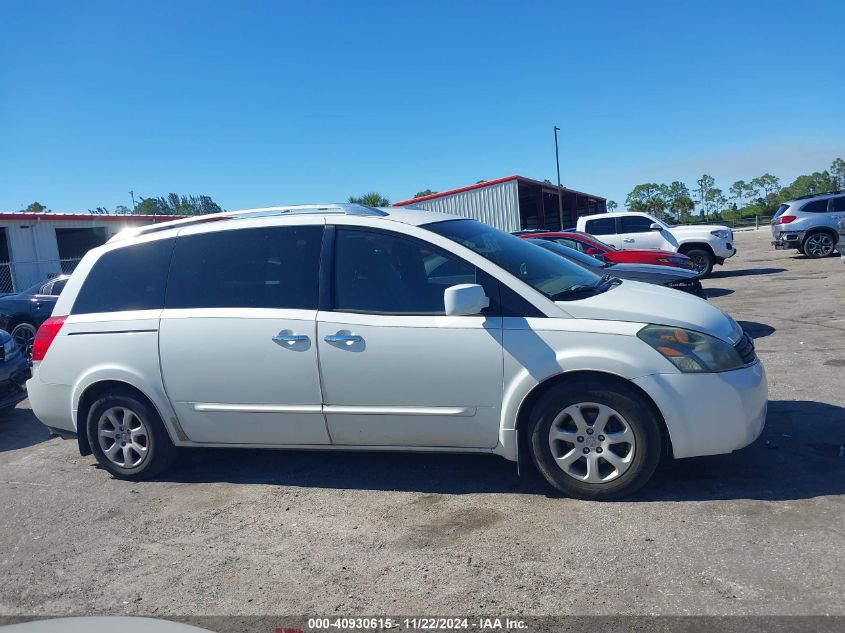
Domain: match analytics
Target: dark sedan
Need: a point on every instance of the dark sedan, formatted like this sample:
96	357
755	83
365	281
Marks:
14	372
669	276
22	313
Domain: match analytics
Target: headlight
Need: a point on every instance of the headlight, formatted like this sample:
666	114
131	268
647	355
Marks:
691	352
722	235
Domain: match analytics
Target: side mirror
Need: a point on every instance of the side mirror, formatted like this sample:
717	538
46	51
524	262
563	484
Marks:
592	251
656	227
465	300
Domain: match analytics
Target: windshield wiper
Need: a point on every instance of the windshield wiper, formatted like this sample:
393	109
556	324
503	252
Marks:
579	290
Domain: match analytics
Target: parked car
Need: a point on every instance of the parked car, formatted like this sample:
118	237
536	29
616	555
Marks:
14	372
676	278
591	245
349	327
705	244
841	245
22	313
809	224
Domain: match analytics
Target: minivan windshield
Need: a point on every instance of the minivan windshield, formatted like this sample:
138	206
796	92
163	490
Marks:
554	276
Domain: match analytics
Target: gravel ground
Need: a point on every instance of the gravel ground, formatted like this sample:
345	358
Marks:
760	531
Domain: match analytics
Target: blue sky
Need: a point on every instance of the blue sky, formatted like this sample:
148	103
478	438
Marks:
262	103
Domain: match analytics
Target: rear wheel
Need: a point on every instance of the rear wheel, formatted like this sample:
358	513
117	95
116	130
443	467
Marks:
818	245
127	437
24	335
702	259
592	440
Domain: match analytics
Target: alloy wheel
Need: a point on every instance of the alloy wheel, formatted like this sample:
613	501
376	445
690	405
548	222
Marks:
592	442
24	335
820	245
123	437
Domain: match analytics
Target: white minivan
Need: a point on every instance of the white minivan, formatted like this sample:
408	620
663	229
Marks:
349	327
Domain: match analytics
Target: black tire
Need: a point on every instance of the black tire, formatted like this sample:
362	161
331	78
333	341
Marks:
24	334
160	451
703	260
818	245
637	414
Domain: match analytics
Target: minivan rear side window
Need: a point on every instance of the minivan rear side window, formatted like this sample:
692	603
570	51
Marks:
128	278
273	267
602	226
839	204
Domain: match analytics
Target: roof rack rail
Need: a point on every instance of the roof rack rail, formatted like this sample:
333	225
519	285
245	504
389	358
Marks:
317	209
821	193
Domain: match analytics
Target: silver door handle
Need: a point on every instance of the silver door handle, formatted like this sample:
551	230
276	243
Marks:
349	339
628	240
290	339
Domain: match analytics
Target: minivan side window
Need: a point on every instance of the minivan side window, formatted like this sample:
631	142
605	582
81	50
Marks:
635	224
385	273
274	267
816	206
602	226
129	278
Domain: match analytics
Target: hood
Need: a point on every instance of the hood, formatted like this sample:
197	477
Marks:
645	303
651	270
698	229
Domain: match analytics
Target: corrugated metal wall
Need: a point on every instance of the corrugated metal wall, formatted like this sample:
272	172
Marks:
33	250
496	205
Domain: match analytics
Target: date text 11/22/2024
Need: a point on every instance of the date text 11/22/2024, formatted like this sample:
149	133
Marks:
417	623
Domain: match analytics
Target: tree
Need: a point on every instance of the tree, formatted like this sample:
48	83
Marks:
739	190
678	199
174	204
704	193
122	210
36	207
646	198
611	205
837	173
370	199
426	192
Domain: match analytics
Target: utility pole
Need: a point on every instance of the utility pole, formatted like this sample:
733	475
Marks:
559	190
132	193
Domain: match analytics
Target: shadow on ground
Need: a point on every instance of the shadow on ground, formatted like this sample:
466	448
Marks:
800	455
745	272
717	292
19	429
757	330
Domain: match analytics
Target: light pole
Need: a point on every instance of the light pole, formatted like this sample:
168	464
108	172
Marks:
132	193
559	191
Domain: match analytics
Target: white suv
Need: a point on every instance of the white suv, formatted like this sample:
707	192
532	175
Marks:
348	327
705	244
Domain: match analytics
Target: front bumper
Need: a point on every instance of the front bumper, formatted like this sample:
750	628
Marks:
710	414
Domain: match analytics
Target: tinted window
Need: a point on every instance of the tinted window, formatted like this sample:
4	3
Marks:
816	206
388	273
569	243
635	224
58	286
544	271
275	267
839	204
128	278
570	254
603	226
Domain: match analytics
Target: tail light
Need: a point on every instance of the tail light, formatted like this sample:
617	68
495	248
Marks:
45	335
785	219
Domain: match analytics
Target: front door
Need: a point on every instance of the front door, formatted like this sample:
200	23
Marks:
396	371
237	336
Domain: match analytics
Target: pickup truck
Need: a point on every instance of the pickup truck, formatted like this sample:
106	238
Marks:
705	244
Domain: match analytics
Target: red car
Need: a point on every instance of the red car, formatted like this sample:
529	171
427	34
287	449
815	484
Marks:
591	246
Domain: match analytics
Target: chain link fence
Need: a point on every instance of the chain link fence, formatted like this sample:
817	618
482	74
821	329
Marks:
18	276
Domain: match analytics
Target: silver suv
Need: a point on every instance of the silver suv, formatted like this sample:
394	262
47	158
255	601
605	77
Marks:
809	223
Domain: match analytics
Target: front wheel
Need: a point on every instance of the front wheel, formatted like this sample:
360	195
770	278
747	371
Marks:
24	335
702	259
594	441
819	245
127	436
